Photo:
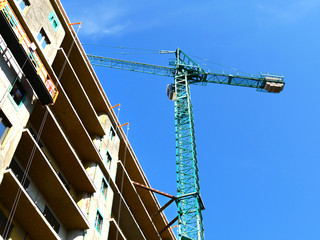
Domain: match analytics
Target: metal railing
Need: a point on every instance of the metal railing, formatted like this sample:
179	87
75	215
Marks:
29	48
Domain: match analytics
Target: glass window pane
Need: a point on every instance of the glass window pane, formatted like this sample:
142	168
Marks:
39	37
43	39
54	20
23	4
104	188
43	44
98	222
5	125
2	128
54	24
17	92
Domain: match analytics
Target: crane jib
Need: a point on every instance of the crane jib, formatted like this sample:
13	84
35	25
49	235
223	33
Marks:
185	73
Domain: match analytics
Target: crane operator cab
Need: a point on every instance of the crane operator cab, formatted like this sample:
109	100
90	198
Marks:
171	91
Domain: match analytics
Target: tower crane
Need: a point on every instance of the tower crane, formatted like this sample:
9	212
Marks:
185	73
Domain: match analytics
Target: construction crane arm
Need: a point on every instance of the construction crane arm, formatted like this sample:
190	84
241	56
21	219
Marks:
131	66
196	74
264	82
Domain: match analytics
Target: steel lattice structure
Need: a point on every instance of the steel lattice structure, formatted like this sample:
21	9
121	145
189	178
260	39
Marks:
188	189
186	72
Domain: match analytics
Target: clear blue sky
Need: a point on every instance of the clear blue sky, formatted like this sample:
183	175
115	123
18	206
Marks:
258	153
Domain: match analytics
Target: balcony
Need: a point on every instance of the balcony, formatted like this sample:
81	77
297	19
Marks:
135	205
49	184
115	231
63	153
147	199
77	95
74	128
20	45
128	223
27	213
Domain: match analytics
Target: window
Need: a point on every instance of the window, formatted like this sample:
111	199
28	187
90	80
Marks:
54	20
5	126
51	219
18	172
104	188
98	222
112	133
43	39
23	4
108	159
17	92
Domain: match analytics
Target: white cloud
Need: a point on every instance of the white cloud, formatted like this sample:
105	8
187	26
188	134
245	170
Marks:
102	18
288	12
117	17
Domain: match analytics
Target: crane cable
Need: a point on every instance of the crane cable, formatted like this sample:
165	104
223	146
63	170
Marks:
221	65
143	50
157	51
121	47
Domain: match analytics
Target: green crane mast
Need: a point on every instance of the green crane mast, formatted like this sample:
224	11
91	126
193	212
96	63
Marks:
185	72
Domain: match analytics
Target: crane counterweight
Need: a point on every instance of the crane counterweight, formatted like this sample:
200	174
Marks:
274	84
273	87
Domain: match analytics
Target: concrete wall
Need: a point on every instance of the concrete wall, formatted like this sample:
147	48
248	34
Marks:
37	17
97	202
90	205
17	115
109	144
75	235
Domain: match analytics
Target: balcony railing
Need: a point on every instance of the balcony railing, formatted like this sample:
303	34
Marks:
29	48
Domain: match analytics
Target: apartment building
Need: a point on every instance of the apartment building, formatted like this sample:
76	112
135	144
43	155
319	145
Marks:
67	170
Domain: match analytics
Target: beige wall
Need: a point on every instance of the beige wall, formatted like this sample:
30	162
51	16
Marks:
97	202
36	17
17	115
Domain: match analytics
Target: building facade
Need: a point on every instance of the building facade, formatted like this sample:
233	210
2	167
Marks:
66	166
